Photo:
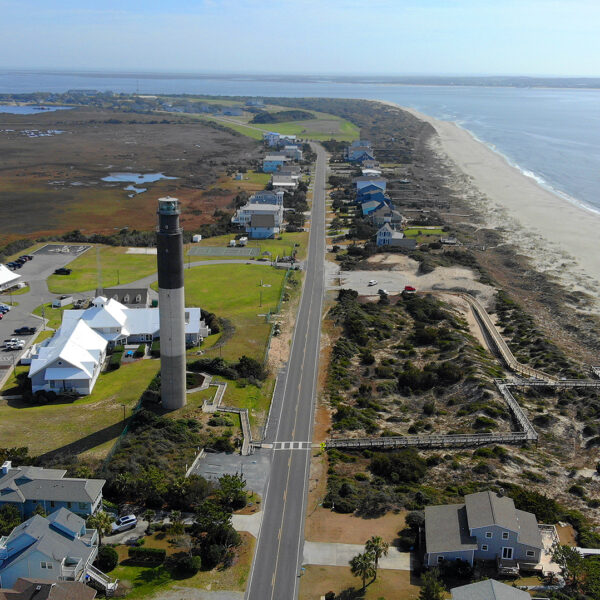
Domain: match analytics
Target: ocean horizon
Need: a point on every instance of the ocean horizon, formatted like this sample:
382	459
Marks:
550	134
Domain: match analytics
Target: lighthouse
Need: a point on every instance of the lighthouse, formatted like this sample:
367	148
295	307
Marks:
169	256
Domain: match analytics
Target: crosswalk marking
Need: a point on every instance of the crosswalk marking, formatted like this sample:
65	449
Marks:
291	445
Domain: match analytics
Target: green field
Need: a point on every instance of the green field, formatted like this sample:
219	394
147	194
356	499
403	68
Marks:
148	581
412	232
52	315
323	127
117	267
92	421
233	292
274	247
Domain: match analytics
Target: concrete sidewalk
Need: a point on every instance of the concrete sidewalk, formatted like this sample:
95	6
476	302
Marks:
339	555
249	523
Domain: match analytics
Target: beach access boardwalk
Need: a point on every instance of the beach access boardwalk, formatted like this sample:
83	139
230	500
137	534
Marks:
526	432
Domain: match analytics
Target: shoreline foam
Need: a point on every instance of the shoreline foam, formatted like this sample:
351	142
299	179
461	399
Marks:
560	236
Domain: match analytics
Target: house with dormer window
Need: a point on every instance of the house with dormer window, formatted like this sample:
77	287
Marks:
55	548
486	527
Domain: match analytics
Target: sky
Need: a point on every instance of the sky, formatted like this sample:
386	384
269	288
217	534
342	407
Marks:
378	37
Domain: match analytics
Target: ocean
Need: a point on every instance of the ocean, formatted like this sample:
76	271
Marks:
552	135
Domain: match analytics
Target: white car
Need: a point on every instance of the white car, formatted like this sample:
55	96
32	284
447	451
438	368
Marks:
124	523
372	282
14	343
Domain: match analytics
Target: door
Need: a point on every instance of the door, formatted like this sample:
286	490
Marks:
507	553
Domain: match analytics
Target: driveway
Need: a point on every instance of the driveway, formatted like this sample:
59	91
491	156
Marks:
35	272
339	555
125	536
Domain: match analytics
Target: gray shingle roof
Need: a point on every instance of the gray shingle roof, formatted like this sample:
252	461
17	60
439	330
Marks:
262	221
36	483
446	529
529	532
488	508
488	590
66	519
48	541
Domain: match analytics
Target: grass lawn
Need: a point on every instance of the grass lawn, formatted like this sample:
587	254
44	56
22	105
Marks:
52	315
323	127
146	582
318	580
233	292
6	296
92	421
117	267
274	247
261	178
413	232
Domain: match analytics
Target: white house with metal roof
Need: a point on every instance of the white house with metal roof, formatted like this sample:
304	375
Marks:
8	278
28	487
72	359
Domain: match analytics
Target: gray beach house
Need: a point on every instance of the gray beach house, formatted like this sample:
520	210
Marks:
486	527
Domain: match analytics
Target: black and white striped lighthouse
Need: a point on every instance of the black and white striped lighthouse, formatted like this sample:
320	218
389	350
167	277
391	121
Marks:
169	245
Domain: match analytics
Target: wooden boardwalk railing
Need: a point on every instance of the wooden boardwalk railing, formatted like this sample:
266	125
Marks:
527	433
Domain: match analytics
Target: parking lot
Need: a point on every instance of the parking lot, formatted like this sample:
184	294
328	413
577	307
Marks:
34	273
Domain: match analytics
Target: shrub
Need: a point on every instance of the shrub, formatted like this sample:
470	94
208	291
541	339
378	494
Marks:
155	349
401	466
141	554
184	564
140	351
115	361
107	559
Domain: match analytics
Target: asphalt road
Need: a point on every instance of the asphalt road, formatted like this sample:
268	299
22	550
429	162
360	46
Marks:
35	273
276	568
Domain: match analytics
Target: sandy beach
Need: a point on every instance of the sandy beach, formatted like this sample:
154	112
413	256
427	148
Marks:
560	237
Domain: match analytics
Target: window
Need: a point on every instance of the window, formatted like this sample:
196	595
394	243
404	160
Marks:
505	535
69	504
440	559
46	565
484	548
51	503
488	534
82	505
507	553
530	553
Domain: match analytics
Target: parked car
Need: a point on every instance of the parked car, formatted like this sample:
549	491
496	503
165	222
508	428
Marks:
6	306
25	330
382	292
63	271
4	309
372	282
124	523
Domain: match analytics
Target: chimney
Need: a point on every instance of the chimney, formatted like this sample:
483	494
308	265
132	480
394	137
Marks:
6	466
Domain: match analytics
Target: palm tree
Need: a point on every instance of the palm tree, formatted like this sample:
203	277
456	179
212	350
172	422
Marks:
102	522
378	548
363	566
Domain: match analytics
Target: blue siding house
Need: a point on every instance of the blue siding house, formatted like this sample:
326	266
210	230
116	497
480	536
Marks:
56	548
486	527
273	162
30	487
